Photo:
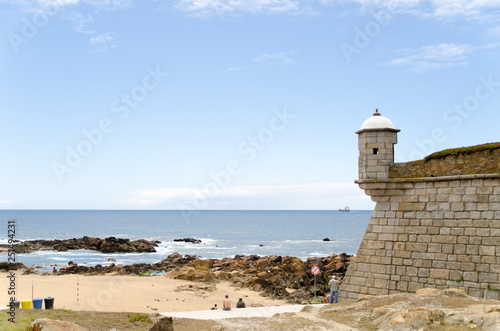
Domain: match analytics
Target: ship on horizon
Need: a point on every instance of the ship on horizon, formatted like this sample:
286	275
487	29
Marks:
346	208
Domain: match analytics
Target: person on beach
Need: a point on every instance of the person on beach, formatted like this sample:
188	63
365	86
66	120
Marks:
334	288
241	304
226	304
214	307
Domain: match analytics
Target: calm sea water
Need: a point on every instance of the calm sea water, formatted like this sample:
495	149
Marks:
223	233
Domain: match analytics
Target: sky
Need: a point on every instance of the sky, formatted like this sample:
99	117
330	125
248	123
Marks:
232	104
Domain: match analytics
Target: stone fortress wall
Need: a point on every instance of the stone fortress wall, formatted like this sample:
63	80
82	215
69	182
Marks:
436	223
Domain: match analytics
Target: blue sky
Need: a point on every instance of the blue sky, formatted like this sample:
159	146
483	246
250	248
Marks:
225	104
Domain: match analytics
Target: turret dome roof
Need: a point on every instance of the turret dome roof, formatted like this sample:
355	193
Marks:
377	121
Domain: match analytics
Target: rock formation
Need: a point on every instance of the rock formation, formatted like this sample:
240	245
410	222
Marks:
107	245
189	240
47	324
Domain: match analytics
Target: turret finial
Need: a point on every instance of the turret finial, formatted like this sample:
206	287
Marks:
376	113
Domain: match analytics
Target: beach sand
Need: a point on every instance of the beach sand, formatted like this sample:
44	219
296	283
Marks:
128	293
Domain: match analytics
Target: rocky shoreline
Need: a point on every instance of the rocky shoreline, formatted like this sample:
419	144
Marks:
274	276
106	245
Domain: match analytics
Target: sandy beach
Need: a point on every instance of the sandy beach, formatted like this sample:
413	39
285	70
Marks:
128	293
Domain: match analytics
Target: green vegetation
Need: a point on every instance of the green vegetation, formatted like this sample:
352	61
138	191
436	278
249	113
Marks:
90	320
145	273
490	147
492	289
461	279
139	318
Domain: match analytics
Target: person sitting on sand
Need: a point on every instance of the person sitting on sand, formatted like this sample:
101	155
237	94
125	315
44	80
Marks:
226	304
241	304
214	307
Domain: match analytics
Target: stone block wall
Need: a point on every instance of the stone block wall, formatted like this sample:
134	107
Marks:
438	232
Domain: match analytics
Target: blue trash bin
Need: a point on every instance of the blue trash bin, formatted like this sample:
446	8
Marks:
37	303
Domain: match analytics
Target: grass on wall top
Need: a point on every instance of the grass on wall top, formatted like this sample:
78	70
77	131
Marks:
463	150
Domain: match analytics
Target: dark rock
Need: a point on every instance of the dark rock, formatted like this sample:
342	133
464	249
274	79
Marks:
107	245
326	239
163	324
5	266
189	240
251	258
49	324
275	259
343	257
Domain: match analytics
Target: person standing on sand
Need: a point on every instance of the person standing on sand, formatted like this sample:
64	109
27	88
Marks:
334	288
226	304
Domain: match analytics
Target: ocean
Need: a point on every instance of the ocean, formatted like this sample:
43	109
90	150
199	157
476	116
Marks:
222	233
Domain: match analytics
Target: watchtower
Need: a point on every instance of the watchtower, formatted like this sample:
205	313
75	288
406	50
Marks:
376	140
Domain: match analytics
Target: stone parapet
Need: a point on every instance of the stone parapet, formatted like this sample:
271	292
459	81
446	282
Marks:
483	161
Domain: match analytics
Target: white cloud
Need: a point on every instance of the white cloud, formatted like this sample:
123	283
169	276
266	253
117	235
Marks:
82	21
109	4
103	38
281	57
434	7
316	195
7	203
57	3
434	57
207	8
99	4
426	8
103	41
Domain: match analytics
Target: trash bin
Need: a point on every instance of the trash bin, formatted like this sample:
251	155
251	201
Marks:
49	302
16	304
26	304
37	303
